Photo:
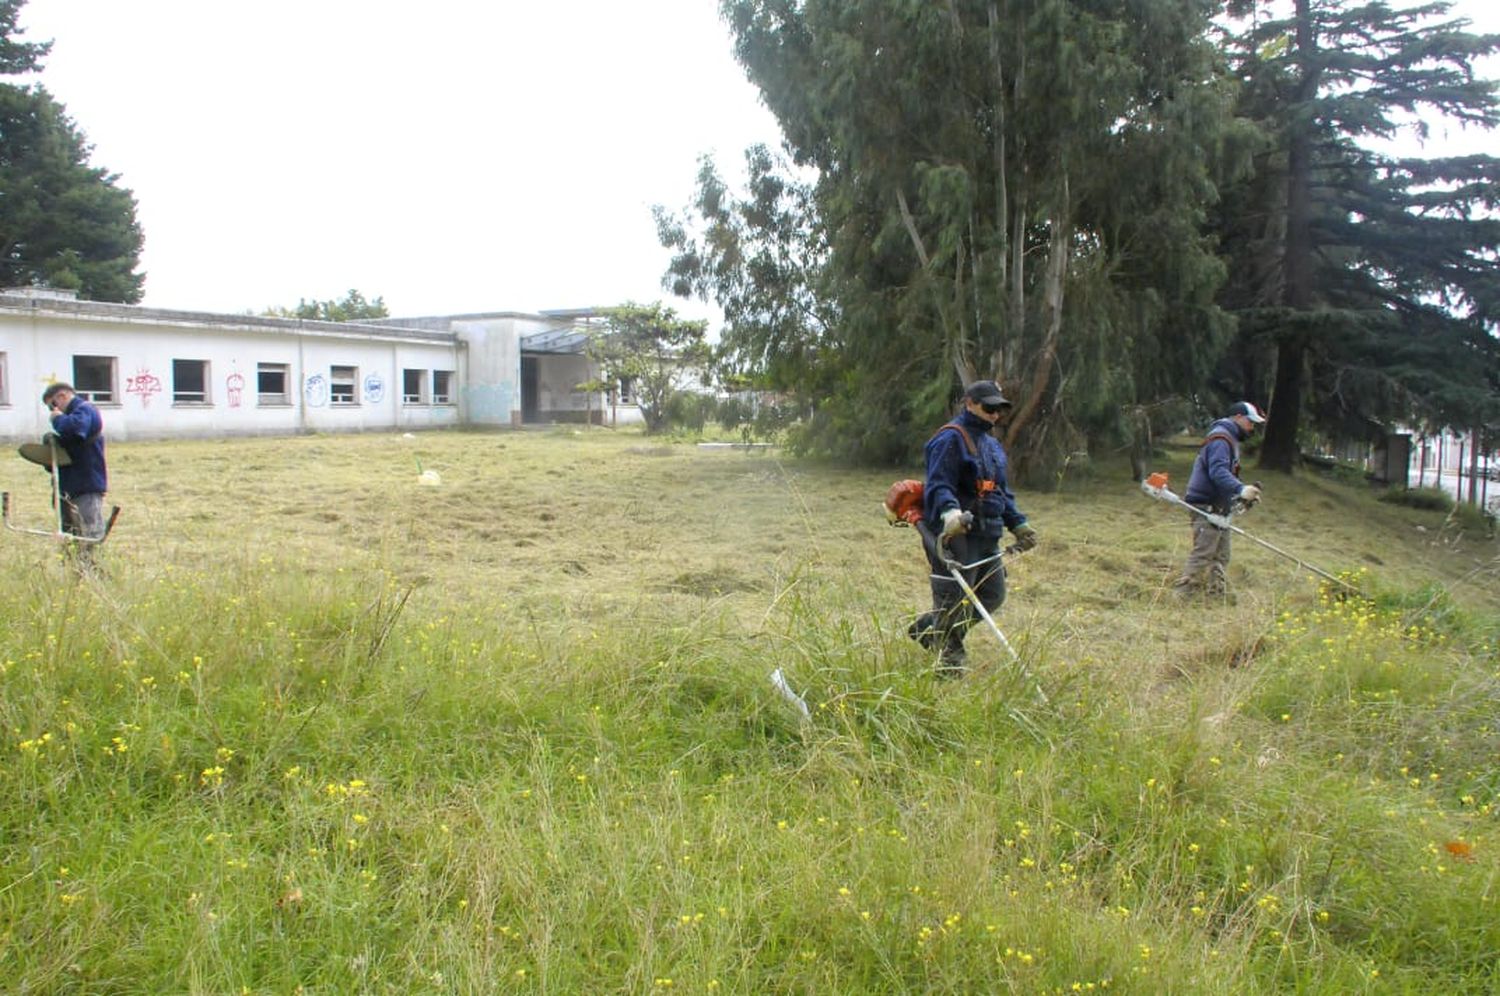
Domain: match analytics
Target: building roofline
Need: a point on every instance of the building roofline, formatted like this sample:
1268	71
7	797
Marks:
420	320
109	312
546	314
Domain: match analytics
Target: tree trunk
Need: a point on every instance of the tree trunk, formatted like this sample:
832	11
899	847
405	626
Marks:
1052	296
1279	452
1280	449
1002	191
953	332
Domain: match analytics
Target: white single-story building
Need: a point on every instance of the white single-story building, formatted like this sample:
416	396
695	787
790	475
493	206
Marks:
158	373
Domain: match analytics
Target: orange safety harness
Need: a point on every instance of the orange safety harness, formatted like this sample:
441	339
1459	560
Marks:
984	485
903	500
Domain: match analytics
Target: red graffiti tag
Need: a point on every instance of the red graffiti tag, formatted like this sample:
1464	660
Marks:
234	386
145	383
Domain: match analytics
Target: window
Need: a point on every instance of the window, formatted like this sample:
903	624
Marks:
413	387
94	377
270	383
442	387
341	385
190	382
627	389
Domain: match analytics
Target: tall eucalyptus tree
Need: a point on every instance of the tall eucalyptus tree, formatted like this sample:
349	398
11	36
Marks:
1004	188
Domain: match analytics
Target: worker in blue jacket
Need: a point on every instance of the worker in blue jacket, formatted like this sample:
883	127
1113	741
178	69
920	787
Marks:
1215	486
967	504
84	479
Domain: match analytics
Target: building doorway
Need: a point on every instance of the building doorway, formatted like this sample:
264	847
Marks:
530	386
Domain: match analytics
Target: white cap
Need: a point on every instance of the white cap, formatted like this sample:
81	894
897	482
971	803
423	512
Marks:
1248	410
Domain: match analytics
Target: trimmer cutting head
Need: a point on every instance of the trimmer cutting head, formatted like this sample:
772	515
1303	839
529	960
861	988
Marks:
41	455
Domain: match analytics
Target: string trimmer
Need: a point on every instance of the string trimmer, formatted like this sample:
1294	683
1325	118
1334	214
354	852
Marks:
47	454
903	507
1156	486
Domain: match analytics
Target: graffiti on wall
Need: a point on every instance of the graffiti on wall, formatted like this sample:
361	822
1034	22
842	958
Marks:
315	391
374	388
234	388
144	384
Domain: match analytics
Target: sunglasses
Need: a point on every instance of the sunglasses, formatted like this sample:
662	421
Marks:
993	409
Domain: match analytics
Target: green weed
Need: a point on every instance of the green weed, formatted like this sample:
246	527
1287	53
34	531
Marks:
346	732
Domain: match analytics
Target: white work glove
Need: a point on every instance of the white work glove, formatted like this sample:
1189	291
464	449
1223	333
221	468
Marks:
953	523
1249	494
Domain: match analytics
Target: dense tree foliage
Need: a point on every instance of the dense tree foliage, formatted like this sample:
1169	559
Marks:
1083	199
63	223
17	56
763	259
653	350
1368	281
1012	190
352	307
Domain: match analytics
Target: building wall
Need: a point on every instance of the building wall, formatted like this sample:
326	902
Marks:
493	392
39	340
177	373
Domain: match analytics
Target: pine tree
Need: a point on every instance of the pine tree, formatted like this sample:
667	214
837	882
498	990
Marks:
1371	277
63	222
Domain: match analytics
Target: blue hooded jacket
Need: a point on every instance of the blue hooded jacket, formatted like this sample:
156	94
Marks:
953	476
81	431
1214	481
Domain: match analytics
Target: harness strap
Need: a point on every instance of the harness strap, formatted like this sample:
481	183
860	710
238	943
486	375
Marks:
984	485
1233	449
968	439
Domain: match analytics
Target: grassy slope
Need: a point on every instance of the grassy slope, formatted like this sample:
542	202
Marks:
325	727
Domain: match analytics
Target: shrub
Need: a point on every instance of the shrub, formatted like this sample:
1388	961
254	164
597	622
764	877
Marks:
734	412
1432	499
689	410
773	418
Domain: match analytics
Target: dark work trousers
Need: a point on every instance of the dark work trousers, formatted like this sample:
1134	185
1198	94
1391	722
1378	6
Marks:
945	626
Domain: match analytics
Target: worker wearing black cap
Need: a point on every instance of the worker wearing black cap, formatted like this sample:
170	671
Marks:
967	502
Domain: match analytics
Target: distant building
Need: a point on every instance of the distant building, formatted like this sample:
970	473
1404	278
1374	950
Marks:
159	373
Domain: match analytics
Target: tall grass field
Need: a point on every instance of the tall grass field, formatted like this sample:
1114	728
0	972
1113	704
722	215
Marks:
316	724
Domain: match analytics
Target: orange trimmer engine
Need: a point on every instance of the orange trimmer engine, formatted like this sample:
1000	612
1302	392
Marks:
903	503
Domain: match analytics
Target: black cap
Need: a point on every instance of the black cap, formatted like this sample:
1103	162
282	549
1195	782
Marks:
1246	409
985	392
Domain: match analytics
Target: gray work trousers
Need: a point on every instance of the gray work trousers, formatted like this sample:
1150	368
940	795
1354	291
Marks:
1207	564
83	515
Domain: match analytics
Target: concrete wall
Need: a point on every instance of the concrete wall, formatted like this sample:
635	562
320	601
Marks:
337	377
492	395
40	338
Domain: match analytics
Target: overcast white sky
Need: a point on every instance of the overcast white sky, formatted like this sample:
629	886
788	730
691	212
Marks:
451	156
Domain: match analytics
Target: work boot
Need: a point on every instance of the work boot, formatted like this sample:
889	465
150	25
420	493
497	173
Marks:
952	661
923	631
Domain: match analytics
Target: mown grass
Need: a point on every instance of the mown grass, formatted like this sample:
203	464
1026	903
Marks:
313	726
